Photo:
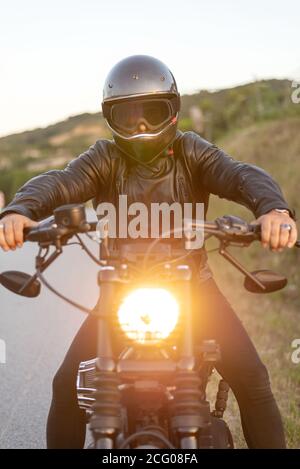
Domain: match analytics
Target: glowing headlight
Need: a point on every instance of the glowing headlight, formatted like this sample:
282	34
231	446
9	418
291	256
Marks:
148	315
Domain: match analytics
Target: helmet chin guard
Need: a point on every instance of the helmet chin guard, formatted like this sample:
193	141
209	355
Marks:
141	104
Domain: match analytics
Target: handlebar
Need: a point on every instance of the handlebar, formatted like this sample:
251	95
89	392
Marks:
228	228
50	232
70	220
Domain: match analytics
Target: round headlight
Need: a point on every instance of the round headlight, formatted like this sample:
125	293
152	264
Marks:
148	315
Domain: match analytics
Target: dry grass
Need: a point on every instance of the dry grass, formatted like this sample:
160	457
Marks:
273	320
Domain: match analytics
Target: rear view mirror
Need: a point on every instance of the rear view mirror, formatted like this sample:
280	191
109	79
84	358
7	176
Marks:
14	281
271	281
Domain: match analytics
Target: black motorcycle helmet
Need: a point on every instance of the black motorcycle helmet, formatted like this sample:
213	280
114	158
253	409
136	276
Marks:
141	104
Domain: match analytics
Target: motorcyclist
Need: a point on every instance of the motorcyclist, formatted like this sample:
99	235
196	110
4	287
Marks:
149	160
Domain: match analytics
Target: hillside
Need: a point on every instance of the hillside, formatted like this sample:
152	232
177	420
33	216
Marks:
273	145
29	153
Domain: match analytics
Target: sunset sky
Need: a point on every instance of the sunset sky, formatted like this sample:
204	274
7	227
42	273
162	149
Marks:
54	55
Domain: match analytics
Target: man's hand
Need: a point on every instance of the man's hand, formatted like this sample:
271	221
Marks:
278	230
11	230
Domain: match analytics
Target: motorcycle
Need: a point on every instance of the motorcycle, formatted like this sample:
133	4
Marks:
153	393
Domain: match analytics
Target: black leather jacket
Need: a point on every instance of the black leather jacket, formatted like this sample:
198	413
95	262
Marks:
196	169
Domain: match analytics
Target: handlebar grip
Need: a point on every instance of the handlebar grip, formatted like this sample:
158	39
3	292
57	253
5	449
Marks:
27	231
40	233
35	234
257	230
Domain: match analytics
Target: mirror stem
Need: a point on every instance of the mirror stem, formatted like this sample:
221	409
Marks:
42	265
239	266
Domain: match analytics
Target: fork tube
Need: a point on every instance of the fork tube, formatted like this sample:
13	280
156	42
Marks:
105	422
103	309
108	279
187	349
188	413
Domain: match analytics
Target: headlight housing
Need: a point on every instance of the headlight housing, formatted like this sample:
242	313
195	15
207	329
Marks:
148	315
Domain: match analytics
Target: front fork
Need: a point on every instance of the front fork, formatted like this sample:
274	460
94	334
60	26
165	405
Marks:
190	411
105	423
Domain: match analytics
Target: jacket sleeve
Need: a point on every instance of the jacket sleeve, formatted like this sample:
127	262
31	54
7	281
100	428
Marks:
240	182
82	178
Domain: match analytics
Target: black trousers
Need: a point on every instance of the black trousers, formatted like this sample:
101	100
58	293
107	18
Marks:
240	366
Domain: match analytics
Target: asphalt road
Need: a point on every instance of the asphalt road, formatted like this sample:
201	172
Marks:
37	333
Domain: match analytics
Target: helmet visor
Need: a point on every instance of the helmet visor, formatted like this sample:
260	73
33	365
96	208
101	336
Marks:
128	116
